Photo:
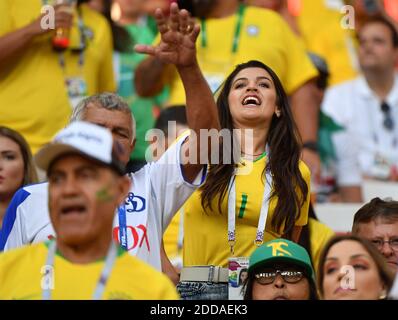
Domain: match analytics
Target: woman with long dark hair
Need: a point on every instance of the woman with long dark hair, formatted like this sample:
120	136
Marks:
237	209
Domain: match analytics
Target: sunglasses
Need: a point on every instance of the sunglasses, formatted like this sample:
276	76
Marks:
269	276
388	121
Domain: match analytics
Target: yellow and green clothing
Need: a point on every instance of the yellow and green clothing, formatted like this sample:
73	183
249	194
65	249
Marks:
33	94
21	276
205	232
263	36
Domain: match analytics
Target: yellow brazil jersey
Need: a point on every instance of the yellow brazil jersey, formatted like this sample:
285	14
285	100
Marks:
205	233
320	233
21	276
171	239
320	26
264	36
33	94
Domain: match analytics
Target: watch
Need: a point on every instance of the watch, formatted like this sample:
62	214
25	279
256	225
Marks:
311	145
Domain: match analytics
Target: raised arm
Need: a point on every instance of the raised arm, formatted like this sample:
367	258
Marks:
177	46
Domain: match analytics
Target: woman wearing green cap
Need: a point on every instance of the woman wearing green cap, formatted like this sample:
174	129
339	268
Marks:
280	270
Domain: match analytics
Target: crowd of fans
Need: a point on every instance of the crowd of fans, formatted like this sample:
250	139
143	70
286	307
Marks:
109	190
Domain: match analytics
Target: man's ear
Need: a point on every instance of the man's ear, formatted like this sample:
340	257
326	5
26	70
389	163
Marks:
132	145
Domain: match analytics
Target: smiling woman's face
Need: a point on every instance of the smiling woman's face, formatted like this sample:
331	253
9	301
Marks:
252	98
350	273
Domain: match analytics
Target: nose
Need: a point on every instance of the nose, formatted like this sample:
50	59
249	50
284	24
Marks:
70	187
279	282
386	250
251	86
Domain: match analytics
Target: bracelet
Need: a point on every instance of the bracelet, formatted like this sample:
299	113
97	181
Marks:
311	145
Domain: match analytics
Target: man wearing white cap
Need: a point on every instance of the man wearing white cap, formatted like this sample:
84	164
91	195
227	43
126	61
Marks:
86	185
158	190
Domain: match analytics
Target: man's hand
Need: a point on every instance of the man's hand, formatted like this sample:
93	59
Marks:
178	37
63	18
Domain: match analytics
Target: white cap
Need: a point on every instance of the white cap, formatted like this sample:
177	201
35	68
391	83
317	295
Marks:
83	138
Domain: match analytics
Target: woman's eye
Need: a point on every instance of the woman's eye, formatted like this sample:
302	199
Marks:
330	270
359	266
239	85
264	85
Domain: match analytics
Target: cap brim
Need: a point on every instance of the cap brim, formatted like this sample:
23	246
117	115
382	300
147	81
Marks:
270	260
45	157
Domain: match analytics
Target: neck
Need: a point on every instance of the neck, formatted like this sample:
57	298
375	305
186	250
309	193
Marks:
381	83
4	202
253	146
223	9
128	19
85	253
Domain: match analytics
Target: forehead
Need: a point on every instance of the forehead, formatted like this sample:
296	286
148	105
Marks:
343	250
252	73
109	119
378	228
71	162
374	29
7	144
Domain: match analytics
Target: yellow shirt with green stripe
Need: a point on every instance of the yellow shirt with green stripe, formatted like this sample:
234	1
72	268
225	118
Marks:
205	233
264	36
21	277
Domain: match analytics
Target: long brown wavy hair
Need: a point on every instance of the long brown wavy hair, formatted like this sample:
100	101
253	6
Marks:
283	164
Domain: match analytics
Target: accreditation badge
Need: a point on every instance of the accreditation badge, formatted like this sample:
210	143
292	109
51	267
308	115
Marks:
77	89
237	274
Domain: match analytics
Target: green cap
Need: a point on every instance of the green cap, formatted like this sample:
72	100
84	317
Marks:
281	250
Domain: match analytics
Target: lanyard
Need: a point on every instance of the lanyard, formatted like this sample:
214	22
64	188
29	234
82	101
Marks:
238	27
263	212
82	46
180	240
105	273
122	226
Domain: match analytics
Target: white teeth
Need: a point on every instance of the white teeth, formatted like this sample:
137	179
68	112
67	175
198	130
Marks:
251	100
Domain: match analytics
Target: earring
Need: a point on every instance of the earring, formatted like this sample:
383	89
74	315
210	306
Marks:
383	295
278	113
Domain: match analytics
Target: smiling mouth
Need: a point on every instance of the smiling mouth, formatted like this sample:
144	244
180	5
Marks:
251	101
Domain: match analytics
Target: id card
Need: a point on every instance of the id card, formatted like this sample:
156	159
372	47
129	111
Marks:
76	88
237	274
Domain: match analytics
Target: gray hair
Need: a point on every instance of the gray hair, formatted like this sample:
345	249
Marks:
107	100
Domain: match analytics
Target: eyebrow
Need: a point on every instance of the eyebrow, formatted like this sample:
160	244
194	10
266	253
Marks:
351	257
258	78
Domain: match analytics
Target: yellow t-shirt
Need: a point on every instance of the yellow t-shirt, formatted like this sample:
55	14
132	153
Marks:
319	24
171	239
264	36
205	233
33	95
320	233
21	277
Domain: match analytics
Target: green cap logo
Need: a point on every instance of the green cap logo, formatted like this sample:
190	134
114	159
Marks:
277	250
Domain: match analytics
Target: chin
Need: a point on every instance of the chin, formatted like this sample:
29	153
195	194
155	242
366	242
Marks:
73	238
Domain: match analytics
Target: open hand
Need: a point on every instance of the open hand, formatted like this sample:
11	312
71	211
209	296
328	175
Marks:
178	37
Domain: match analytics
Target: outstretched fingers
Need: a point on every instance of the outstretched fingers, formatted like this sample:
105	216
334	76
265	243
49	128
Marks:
174	17
142	48
161	21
